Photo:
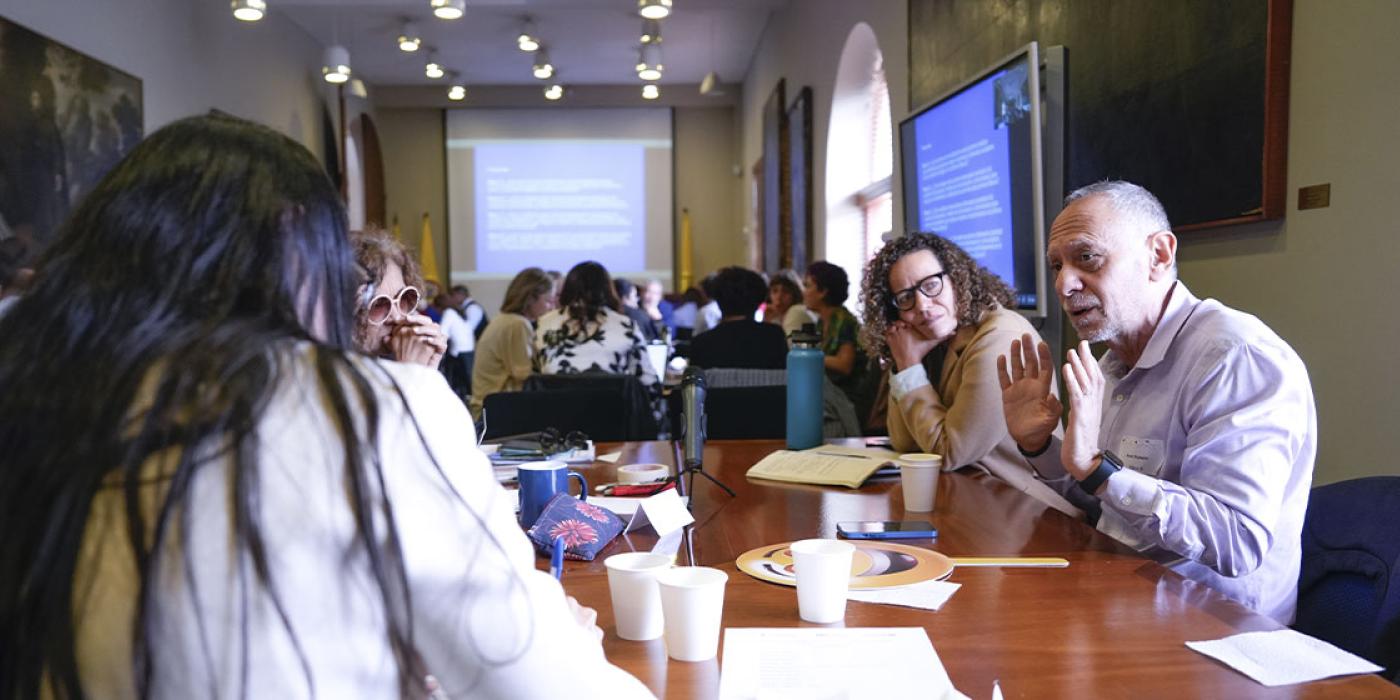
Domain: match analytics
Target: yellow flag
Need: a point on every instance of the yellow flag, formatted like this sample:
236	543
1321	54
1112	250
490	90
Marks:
427	253
686	271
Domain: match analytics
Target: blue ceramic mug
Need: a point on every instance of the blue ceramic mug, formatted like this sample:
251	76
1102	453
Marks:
539	481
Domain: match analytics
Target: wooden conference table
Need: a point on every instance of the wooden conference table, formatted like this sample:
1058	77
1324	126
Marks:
1112	624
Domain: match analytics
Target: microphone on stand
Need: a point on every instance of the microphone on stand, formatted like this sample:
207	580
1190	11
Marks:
693	421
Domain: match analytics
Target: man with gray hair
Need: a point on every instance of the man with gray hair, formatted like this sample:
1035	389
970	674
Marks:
1195	432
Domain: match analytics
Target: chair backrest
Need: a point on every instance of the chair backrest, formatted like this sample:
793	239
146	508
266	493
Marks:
593	412
1349	587
746	413
625	414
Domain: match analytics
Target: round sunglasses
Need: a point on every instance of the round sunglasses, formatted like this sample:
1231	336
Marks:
382	306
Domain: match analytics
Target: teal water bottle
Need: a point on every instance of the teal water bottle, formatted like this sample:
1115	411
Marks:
805	370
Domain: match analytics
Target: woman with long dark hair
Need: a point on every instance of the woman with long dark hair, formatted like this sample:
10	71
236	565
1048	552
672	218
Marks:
589	333
206	491
940	320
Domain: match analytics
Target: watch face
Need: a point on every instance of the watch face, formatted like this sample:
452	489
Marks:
1112	459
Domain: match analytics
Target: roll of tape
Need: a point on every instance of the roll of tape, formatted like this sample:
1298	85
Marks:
642	473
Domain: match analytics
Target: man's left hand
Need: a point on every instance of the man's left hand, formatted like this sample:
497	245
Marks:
1084	384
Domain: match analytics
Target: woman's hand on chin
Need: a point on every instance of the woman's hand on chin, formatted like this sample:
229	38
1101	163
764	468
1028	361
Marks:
907	345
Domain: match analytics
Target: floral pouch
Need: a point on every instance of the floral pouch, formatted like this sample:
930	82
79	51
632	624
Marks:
586	528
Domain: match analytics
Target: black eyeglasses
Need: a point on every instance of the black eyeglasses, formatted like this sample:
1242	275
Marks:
553	442
930	287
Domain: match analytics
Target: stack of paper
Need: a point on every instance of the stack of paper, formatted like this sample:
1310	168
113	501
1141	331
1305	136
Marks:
812	662
1283	657
927	595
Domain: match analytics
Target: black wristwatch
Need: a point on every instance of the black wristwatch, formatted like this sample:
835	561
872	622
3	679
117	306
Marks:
1109	464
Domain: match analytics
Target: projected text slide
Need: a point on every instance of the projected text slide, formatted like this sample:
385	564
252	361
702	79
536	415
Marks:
555	204
964	178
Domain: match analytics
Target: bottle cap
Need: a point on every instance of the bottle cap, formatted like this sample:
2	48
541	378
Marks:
807	336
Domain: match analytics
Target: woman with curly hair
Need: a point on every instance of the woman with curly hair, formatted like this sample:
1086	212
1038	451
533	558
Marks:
387	322
941	320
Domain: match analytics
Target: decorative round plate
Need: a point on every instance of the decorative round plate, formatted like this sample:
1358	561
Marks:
875	564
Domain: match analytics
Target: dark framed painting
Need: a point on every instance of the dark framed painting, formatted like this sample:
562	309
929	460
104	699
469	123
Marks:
1188	98
777	214
797	255
65	120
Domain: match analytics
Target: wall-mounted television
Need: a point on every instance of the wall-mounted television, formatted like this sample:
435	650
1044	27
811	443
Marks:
972	172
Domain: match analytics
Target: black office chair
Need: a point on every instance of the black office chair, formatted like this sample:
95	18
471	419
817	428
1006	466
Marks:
1349	588
593	412
602	405
746	413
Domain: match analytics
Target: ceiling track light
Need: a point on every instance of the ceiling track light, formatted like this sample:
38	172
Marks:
432	68
450	9
554	92
409	38
336	66
654	9
249	10
650	91
651	31
529	40
542	68
649	65
457	92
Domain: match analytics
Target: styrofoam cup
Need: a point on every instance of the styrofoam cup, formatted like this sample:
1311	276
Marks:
823	577
692	603
636	599
918	474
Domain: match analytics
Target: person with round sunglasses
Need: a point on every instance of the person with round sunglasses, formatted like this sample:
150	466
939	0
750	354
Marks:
939	320
387	321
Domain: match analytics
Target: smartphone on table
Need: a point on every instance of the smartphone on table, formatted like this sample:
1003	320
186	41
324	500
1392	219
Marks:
886	530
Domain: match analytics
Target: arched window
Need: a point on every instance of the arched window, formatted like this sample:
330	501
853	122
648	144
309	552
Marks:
860	157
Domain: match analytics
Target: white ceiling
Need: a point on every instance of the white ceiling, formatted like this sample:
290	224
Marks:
589	41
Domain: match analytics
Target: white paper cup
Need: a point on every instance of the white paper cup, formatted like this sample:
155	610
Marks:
918	474
656	355
823	577
692	602
636	599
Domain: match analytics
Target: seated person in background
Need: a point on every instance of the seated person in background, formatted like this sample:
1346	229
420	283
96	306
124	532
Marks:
738	340
588	333
653	302
684	315
1196	431
785	307
708	314
428	304
387	322
253	508
824	290
941	320
463	321
505	349
631	305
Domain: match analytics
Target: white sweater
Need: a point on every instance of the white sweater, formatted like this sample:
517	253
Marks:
486	622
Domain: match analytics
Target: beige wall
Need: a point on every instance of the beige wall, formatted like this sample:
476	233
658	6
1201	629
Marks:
192	56
1328	279
802	44
706	151
414	175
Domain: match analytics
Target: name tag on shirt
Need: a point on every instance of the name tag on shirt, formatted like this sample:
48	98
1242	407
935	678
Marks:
1142	455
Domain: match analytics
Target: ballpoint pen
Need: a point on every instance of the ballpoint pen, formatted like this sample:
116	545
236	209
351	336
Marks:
556	559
